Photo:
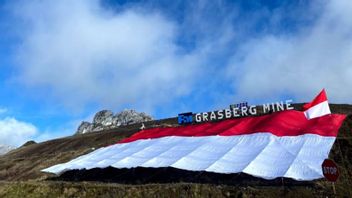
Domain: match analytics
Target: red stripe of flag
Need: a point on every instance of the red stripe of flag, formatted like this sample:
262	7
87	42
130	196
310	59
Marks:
284	123
321	97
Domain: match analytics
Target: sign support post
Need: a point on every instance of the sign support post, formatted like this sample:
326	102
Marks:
331	172
333	188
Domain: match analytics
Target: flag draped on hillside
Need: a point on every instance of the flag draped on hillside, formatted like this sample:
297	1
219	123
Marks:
289	144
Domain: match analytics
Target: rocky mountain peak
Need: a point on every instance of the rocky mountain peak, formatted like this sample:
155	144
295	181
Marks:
106	119
103	117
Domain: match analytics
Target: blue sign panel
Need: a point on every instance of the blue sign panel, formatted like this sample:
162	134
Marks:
185	118
239	105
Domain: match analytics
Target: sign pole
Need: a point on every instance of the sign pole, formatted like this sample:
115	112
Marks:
330	172
333	188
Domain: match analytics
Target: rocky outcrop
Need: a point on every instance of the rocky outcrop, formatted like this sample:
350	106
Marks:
84	127
127	117
103	118
106	119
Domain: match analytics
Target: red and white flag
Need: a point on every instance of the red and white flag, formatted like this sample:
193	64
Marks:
281	144
318	107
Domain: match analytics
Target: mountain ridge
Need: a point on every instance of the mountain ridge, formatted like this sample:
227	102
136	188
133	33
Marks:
106	119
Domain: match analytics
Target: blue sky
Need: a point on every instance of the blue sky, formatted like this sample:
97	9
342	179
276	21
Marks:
62	61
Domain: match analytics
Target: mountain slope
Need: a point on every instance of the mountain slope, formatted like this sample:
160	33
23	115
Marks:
24	165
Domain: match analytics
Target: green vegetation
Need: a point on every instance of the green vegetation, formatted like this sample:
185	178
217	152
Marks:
91	189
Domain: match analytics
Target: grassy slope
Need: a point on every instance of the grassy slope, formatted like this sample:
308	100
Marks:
20	170
89	189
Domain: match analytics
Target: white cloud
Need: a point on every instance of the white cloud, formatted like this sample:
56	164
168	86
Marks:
3	110
15	133
83	54
86	54
301	64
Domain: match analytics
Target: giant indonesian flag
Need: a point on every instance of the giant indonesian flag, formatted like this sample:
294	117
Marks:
289	144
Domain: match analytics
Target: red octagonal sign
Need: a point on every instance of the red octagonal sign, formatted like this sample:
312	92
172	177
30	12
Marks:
330	170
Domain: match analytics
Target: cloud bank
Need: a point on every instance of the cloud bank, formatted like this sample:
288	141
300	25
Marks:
14	132
82	53
301	64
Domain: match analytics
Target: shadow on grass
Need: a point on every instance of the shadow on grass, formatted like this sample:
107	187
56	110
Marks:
171	175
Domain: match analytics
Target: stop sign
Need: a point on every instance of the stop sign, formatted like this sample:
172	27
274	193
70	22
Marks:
330	170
